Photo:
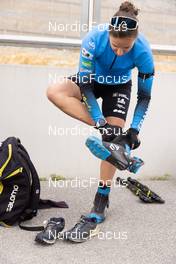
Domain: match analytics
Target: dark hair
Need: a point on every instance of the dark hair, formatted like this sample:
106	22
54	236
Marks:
126	9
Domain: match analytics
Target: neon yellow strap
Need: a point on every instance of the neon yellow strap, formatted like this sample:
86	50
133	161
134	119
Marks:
19	170
1	187
148	193
4	224
15	173
138	191
7	161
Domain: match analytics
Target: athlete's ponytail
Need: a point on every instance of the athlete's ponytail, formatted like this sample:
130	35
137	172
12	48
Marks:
126	9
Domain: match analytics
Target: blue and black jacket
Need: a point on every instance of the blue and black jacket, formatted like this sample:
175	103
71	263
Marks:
99	62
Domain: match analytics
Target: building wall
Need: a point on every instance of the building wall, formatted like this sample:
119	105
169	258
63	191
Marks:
26	113
157	18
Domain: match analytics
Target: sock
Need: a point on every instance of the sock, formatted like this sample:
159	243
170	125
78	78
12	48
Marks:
104	189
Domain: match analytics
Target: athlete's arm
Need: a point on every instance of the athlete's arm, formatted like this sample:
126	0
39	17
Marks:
86	76
145	67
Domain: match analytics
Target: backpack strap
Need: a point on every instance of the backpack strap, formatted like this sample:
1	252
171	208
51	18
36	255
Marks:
31	228
27	215
45	204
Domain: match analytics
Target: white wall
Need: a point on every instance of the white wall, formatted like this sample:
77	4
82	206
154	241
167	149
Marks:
26	113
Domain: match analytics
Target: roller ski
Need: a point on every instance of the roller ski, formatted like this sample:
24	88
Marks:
142	191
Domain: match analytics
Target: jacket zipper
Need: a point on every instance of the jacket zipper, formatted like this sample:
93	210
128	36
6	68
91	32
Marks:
113	62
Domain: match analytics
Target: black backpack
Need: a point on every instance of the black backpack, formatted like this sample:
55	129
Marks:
20	186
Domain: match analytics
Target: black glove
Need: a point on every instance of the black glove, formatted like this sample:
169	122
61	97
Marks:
109	132
132	138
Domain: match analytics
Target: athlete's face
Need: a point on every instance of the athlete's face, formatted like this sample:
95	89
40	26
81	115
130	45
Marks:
121	45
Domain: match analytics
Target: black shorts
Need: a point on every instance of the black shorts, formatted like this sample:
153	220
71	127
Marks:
115	98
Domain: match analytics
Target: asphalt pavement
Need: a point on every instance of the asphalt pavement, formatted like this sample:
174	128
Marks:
133	232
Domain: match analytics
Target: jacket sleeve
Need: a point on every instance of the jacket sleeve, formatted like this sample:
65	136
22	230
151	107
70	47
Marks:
86	76
145	67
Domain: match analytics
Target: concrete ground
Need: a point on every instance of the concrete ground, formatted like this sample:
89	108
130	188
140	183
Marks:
132	233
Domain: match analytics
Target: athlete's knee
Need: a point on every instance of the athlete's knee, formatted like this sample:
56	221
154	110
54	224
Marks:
50	92
53	91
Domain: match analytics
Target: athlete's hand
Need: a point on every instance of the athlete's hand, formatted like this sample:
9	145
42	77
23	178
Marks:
132	137
109	132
